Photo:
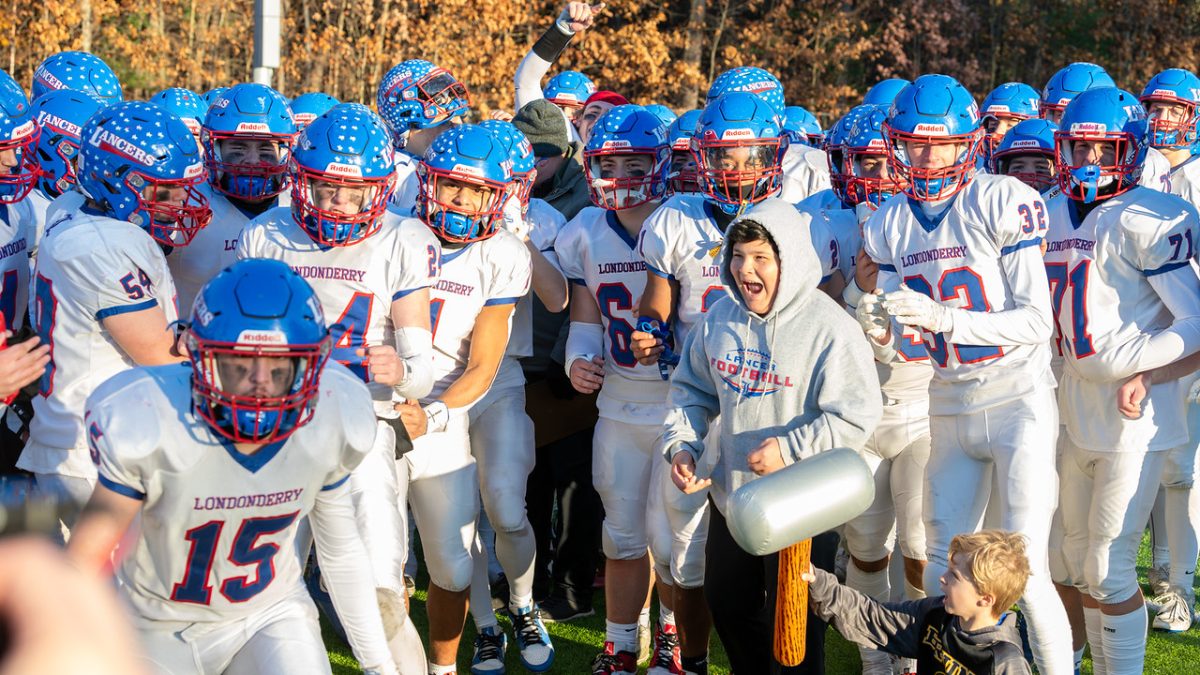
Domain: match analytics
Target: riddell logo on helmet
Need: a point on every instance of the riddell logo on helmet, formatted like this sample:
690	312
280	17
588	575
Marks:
464	170
56	123
735	134
262	337
1089	128
110	142
304	118
931	129
1024	144
24	130
876	144
339	169
616	144
1164	93
194	170
566	96
252	127
997	108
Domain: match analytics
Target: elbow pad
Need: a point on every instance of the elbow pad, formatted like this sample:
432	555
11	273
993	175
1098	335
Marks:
584	340
414	346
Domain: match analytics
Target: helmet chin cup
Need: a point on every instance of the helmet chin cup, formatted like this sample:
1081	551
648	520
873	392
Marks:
1087	178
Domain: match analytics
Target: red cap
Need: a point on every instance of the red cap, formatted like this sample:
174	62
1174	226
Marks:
606	96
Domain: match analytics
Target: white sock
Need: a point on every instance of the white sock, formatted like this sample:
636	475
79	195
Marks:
1160	551
435	669
666	616
644	617
624	636
874	584
1079	658
516	602
912	592
1095	632
1181	533
1125	642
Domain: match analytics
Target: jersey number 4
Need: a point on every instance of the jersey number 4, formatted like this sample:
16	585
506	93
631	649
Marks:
246	551
349	334
964	284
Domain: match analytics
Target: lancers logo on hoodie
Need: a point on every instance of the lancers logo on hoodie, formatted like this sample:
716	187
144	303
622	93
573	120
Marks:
750	372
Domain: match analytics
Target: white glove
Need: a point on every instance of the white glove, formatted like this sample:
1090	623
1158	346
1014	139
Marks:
872	316
862	211
917	309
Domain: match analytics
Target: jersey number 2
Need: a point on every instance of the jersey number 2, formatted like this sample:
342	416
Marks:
246	551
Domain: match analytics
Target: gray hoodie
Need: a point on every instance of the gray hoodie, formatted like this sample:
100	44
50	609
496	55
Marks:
803	373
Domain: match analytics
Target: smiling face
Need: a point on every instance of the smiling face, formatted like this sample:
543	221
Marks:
755	268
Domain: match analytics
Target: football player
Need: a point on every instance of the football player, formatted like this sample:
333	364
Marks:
79	71
221	460
1008	104
959	260
1127	300
103	297
60	115
185	104
310	106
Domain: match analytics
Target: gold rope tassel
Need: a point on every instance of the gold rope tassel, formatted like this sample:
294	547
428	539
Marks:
791	603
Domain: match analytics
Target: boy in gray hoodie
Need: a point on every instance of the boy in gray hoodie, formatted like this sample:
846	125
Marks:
790	375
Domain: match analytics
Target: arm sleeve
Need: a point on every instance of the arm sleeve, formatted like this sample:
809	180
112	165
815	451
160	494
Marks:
692	399
568	252
416	261
537	62
894	627
847	396
346	568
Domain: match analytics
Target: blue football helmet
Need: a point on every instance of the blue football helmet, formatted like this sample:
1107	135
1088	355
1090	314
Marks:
346	152
870	177
1008	104
1032	137
1179	88
1105	114
681	178
569	89
473	166
622	131
1069	82
834	146
310	106
248	112
186	104
416	94
750	79
662	112
211	95
933	110
80	71
60	115
19	133
131	151
884	91
256	313
802	127
521	152
739	147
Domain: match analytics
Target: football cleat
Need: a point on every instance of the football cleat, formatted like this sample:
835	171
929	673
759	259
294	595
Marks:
612	661
490	645
537	653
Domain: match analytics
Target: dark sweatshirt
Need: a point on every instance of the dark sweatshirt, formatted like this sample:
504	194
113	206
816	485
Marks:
920	630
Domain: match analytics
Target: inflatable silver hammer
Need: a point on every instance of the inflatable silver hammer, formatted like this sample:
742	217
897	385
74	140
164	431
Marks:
797	502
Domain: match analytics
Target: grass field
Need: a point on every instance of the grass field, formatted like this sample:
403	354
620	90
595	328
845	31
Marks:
578	641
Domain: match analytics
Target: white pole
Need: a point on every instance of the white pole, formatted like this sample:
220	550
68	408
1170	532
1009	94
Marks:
267	21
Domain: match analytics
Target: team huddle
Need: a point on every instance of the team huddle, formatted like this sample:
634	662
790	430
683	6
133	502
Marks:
995	305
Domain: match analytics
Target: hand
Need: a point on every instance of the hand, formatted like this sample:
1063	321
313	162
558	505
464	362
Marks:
646	347
872	316
809	576
58	619
502	115
579	16
766	458
385	366
1131	394
683	473
866	271
911	308
413	417
587	376
21	364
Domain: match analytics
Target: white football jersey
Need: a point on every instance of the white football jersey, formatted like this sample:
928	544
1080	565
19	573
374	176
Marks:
1099	270
404	197
544	223
18	239
681	241
599	254
973	257
805	172
356	284
1156	173
1185	181
494	271
214	248
217	532
89	267
842	224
